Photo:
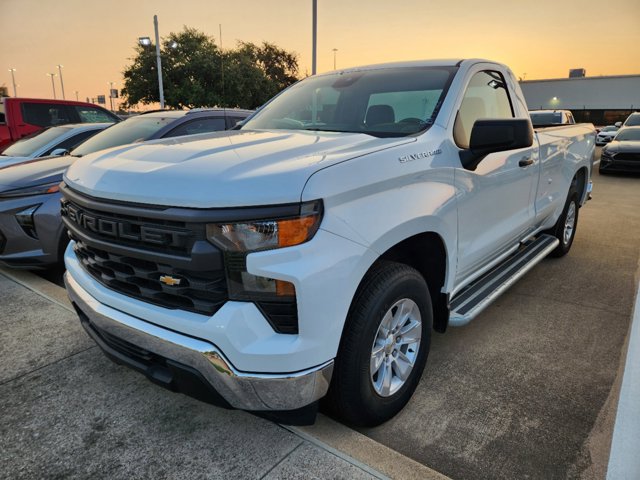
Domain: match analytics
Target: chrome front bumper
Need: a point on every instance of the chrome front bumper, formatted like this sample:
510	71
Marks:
245	391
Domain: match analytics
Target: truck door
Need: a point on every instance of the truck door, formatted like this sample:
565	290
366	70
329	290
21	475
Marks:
495	202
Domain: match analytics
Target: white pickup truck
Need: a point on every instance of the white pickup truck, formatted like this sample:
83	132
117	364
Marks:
311	252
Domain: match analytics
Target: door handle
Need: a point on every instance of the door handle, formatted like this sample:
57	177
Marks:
525	162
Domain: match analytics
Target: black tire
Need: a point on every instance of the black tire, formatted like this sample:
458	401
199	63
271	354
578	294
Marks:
352	396
558	229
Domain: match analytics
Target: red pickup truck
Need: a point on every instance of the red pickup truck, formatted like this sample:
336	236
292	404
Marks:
21	116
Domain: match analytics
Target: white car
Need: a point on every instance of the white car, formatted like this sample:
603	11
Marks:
606	134
51	141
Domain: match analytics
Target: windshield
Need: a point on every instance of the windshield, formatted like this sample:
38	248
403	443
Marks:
628	135
31	144
633	120
609	129
392	102
549	118
135	129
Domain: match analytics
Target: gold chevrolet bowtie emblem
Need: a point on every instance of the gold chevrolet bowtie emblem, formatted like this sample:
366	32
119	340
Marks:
169	280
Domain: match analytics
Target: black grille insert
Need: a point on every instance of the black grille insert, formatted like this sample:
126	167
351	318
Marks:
201	292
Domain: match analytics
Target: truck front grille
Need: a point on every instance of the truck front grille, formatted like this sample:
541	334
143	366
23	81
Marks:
161	284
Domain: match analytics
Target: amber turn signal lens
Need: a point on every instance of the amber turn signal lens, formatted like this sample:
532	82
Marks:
297	230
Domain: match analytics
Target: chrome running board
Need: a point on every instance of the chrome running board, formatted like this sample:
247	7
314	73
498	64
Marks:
473	299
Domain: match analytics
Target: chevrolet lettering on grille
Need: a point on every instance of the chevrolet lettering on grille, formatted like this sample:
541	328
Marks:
121	229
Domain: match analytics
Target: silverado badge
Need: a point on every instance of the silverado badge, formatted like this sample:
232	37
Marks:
169	280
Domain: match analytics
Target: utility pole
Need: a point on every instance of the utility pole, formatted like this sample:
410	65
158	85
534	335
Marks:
110	95
335	50
77	95
13	79
315	36
61	83
53	85
159	62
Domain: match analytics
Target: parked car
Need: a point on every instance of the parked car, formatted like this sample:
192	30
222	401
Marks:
606	134
312	251
163	124
546	118
31	232
52	141
623	153
20	117
632	120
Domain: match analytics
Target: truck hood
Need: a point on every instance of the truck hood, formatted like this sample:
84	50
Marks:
225	169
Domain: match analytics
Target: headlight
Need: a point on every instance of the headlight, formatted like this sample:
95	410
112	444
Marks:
267	234
275	298
52	187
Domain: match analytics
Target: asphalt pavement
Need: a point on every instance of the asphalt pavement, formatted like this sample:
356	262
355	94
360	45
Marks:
529	388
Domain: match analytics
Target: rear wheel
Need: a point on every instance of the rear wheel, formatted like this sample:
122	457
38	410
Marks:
384	346
565	228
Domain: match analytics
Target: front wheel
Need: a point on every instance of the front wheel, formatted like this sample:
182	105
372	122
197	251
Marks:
384	346
565	228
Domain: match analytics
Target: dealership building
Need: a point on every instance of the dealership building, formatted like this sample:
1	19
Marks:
599	100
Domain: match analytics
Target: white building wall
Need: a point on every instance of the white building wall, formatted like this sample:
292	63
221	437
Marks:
588	93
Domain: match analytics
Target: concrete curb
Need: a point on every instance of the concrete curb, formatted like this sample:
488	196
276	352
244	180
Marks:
338	440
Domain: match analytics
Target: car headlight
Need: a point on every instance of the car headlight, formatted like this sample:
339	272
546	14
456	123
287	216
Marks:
275	298
51	187
267	234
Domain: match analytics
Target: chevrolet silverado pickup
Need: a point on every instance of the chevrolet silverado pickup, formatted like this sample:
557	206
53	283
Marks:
310	253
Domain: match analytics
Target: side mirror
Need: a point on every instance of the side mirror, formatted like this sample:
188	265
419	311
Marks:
59	152
618	124
496	135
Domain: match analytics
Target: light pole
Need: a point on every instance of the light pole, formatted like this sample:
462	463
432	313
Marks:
335	50
146	42
77	92
61	83
110	95
53	85
314	35
13	79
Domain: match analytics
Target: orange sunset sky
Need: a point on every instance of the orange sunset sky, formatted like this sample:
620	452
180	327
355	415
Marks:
542	39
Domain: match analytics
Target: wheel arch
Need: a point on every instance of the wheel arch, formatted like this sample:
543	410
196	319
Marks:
427	253
580	182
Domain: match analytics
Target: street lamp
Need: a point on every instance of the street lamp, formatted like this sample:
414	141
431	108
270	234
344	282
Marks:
61	83
13	79
145	42
111	94
53	85
335	50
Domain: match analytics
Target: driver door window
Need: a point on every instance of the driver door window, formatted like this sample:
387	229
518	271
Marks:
485	97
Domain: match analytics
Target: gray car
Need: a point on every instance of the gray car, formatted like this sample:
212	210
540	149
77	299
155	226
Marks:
52	141
31	231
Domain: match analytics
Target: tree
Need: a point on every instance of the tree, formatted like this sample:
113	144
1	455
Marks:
192	67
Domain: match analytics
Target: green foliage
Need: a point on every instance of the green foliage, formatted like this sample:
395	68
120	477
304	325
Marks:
193	66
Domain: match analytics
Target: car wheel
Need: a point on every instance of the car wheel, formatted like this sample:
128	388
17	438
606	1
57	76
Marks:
565	228
384	346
